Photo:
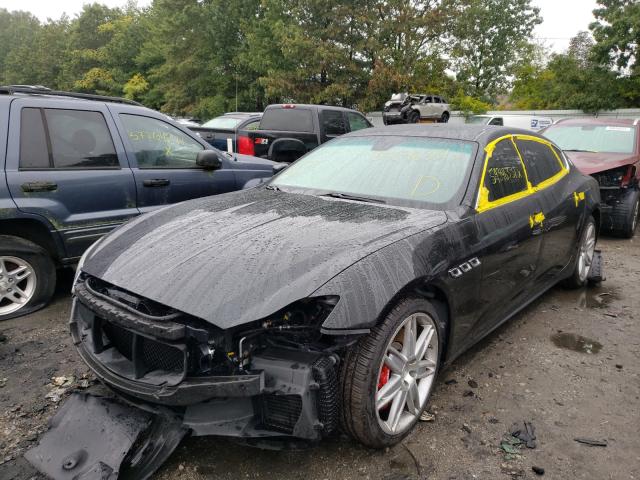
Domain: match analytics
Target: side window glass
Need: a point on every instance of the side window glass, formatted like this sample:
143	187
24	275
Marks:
505	175
436	99
333	122
539	159
33	140
496	121
80	139
157	144
357	121
252	125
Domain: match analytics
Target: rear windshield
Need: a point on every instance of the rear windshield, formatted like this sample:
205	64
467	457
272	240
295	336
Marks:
411	171
287	120
224	123
593	138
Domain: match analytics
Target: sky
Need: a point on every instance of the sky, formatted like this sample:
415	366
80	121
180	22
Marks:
562	18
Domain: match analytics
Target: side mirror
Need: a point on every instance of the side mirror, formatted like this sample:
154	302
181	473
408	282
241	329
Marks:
208	160
278	167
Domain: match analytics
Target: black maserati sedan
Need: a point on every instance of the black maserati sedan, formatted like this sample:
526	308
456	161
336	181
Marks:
332	295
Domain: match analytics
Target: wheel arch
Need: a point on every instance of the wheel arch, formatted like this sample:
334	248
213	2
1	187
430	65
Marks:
34	231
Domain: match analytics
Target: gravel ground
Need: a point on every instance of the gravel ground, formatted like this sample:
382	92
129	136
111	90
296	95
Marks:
568	364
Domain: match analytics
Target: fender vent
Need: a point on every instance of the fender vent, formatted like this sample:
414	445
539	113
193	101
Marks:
281	412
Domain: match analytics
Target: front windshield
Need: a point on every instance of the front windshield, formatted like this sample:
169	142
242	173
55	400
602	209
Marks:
400	169
593	138
476	120
225	123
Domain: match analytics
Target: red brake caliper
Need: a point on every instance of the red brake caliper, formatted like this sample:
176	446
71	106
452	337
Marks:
384	376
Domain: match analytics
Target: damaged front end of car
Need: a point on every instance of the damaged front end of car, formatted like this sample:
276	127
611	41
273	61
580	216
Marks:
619	193
275	377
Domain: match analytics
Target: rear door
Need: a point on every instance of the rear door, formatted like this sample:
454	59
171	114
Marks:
66	163
332	124
561	205
163	160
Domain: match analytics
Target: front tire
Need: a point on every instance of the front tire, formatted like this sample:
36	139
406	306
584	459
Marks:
27	277
586	251
414	117
388	376
629	210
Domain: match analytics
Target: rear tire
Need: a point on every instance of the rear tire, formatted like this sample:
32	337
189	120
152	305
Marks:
628	210
27	277
445	117
586	251
370	408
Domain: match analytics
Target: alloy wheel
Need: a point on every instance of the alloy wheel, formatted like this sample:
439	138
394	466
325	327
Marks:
587	251
406	373
17	284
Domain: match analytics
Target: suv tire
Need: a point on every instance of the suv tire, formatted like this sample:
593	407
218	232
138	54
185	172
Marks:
367	414
414	117
445	117
27	277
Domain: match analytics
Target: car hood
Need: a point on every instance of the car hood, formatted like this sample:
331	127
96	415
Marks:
590	163
239	257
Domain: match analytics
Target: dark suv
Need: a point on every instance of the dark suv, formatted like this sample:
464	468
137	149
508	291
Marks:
74	166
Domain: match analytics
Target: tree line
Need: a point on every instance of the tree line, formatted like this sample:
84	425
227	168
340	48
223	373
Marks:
205	57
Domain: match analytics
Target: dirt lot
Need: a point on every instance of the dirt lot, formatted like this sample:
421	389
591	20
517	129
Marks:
534	368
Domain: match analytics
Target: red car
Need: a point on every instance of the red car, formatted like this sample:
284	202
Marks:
609	151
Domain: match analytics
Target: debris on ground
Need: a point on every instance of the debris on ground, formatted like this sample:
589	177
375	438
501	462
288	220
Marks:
3	338
468	393
538	470
63	381
427	417
3	382
511	470
451	381
526	432
511	446
591	442
473	384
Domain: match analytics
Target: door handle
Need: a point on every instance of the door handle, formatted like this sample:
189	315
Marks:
156	182
39	186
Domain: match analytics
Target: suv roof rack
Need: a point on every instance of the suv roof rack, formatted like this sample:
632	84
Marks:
40	90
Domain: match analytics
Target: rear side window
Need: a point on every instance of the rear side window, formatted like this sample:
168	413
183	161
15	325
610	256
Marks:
497	121
53	138
357	121
157	144
33	140
287	120
333	122
539	159
504	175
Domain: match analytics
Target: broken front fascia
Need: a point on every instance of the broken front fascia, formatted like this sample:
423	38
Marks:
264	386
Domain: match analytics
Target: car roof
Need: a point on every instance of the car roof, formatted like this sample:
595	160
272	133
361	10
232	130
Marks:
309	106
597	121
473	133
22	91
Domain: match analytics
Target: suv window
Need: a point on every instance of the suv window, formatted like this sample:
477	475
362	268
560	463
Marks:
505	175
287	120
80	139
158	144
496	121
436	100
356	121
539	159
33	140
76	139
333	122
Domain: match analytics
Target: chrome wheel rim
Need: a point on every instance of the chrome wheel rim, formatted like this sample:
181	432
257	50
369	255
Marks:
17	284
406	373
587	250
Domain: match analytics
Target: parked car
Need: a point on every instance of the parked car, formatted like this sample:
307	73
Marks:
530	122
222	132
334	293
187	121
286	132
608	150
76	166
405	108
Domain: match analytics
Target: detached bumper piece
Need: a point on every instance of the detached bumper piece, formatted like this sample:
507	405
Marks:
596	274
101	438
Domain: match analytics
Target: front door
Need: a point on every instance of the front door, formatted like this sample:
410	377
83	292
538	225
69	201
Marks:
509	233
163	159
64	164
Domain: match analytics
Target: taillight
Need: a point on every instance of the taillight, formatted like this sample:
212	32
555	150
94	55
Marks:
245	146
628	176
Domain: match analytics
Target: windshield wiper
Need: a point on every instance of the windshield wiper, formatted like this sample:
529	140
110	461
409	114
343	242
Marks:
356	198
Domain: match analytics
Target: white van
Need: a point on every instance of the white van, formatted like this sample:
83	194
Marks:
528	122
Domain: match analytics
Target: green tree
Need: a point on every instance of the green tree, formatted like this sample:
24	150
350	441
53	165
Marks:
489	39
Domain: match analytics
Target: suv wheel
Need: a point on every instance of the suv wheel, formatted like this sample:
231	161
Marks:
414	117
388	376
444	118
27	277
